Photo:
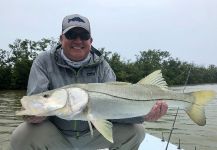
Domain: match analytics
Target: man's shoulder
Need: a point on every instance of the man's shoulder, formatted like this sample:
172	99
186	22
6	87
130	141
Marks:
97	58
45	56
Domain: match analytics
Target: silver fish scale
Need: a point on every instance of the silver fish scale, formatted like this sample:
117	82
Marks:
133	91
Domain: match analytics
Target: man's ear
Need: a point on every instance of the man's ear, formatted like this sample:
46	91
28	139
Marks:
91	40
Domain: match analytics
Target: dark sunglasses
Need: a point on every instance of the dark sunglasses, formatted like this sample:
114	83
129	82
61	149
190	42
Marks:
72	35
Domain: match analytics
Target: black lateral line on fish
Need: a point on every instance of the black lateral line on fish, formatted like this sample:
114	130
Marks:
138	100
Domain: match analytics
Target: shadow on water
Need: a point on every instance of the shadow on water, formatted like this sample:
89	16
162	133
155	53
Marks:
190	134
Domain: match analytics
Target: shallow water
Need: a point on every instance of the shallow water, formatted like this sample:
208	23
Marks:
9	103
190	134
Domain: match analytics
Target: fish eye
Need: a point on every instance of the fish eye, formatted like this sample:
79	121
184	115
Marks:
45	95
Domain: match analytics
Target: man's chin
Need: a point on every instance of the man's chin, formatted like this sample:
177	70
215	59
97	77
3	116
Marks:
77	57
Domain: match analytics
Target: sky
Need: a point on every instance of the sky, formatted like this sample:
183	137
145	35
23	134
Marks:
187	29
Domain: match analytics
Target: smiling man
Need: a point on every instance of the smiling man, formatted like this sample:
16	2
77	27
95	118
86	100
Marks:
76	39
75	61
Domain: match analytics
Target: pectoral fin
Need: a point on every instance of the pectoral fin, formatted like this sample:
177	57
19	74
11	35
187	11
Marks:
105	128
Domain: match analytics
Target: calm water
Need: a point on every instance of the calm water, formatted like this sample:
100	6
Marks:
190	134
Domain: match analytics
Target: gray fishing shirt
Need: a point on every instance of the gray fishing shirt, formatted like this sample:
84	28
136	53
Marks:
50	71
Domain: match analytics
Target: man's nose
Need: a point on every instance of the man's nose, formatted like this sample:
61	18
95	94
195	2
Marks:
77	39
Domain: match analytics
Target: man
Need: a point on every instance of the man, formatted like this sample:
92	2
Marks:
75	61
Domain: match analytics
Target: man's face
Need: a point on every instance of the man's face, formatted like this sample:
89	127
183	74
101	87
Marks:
76	44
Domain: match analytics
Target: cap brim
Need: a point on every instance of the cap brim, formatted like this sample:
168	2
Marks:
71	27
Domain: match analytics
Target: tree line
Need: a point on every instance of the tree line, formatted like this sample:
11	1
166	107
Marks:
16	62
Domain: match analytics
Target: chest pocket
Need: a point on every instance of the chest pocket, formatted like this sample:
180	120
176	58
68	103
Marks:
92	73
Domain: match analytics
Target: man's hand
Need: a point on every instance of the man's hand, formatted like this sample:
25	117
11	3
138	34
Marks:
34	119
158	110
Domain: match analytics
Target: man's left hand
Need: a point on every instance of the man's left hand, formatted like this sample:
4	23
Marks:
158	110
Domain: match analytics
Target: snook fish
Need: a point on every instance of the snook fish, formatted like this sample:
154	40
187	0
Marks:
97	102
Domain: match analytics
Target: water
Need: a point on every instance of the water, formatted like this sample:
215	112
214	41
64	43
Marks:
190	134
9	103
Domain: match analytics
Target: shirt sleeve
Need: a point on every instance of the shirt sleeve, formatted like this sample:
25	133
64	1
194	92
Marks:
38	81
108	74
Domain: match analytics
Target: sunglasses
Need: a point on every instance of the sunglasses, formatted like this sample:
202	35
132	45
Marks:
72	35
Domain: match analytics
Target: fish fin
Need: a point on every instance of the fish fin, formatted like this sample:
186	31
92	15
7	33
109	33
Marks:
91	128
104	127
155	78
196	110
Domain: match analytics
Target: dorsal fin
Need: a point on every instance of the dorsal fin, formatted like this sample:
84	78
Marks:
155	78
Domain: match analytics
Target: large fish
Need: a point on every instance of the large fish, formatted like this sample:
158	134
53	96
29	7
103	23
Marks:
97	102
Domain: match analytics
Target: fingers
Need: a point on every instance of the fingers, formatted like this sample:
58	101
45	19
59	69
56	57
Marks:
162	106
158	110
34	119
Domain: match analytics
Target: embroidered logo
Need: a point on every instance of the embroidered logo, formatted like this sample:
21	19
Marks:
90	73
76	19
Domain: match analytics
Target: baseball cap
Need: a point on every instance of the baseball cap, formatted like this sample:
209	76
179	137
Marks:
73	21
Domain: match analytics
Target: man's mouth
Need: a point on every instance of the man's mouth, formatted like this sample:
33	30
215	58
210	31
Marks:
78	48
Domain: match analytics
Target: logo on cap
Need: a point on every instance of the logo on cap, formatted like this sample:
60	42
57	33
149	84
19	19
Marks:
76	19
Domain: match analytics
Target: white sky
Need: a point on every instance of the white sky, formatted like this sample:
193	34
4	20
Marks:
185	28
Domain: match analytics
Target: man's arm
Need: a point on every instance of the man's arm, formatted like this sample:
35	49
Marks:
38	82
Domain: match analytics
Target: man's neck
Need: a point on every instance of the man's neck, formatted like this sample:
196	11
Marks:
75	64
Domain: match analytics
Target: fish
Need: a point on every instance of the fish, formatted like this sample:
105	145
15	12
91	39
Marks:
99	102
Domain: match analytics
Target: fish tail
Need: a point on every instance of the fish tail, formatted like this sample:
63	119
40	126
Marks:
196	111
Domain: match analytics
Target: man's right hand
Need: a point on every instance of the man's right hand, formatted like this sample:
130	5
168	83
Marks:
158	110
34	119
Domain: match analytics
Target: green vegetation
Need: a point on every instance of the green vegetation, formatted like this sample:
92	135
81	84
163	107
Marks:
16	62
